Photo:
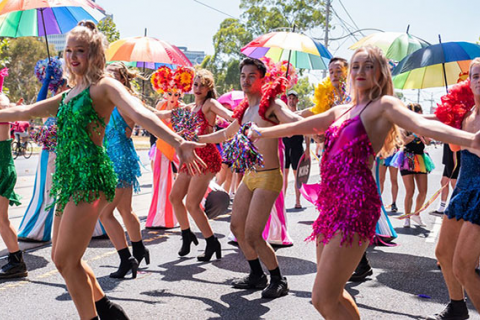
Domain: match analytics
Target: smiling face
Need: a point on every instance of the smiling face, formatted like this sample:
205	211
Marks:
364	72
76	55
200	90
251	79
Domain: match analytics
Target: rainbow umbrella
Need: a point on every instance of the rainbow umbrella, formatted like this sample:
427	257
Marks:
435	66
301	51
395	45
146	52
37	18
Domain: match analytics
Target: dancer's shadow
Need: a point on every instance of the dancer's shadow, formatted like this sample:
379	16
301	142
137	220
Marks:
308	223
175	272
33	262
414	230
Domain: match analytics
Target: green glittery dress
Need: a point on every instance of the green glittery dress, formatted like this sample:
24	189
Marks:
83	169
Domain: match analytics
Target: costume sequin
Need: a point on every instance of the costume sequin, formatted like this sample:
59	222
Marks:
210	154
348	200
8	174
121	151
465	201
83	169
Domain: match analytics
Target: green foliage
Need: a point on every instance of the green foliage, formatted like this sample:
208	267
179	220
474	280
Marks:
109	29
259	17
305	91
20	55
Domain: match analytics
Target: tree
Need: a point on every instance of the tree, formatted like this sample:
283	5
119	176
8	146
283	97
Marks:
22	55
109	29
259	17
305	91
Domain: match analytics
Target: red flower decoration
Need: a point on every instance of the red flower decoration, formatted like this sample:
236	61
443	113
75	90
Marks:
456	104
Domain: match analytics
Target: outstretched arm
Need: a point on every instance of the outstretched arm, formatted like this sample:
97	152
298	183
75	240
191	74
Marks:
221	135
42	109
42	94
396	113
220	110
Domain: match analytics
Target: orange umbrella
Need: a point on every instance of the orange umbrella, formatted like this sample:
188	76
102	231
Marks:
147	52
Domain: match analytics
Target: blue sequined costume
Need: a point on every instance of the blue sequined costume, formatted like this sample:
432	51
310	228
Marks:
465	202
121	151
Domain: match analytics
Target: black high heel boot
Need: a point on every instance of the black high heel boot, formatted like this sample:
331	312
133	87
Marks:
108	310
187	238
127	263
140	252
213	246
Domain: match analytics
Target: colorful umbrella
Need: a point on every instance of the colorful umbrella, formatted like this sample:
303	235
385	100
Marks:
302	51
38	18
233	98
435	66
147	52
395	45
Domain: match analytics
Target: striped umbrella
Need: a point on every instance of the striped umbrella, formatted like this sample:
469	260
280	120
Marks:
36	18
435	66
301	51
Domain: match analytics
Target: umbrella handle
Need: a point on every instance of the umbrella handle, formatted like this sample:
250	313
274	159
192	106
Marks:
45	33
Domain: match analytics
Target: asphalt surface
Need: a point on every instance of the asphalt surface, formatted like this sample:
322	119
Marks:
406	283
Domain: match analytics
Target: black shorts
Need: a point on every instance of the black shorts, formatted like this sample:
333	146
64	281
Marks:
449	165
408	172
292	156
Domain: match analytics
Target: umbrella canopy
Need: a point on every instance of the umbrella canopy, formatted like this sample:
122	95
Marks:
7	6
147	52
301	51
395	45
233	98
435	66
58	20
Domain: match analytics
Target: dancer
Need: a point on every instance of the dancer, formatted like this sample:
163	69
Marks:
414	164
348	200
125	160
37	222
458	249
259	189
84	180
15	267
451	161
206	109
385	164
294	150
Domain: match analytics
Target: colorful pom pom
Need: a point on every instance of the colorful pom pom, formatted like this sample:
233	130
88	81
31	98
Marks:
185	123
45	136
242	153
41	70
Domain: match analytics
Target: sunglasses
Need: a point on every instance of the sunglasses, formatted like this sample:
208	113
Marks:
176	94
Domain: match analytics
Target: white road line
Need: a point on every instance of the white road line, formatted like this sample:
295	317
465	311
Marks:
432	236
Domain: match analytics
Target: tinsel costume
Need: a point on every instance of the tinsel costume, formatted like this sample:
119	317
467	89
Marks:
8	174
413	159
465	201
348	200
121	151
209	154
83	169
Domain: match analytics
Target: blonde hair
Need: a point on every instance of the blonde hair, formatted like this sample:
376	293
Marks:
127	75
381	87
206	79
474	62
87	31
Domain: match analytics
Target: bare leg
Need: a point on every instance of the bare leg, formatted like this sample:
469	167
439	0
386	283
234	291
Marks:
409	183
228	180
465	260
73	234
382	172
335	265
179	190
394	181
196	191
7	231
422	185
445	251
445	190
130	219
238	220
297	192
114	229
285	180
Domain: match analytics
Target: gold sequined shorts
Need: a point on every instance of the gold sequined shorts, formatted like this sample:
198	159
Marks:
268	180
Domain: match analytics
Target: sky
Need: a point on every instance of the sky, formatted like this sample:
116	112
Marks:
192	23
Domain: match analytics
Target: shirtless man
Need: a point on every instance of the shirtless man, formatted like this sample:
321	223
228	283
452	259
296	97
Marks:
259	189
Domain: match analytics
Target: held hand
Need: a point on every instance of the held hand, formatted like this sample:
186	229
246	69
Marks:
49	71
476	141
186	154
254	133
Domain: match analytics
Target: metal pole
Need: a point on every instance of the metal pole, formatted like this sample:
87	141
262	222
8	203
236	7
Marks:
289	56
143	81
443	65
327	28
45	33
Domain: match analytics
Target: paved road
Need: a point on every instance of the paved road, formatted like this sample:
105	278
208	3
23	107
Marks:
177	288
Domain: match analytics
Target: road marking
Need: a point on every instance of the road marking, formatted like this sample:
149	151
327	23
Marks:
432	236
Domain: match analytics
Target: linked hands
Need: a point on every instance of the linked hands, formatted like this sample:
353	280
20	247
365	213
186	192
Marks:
254	132
187	155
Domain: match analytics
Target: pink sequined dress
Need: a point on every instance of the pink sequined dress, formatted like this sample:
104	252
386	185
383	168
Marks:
348	200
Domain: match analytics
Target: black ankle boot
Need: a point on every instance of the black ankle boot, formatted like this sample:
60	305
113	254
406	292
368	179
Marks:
362	271
213	246
187	238
127	263
15	268
107	310
140	252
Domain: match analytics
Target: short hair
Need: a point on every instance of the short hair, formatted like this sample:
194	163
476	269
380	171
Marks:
342	60
254	62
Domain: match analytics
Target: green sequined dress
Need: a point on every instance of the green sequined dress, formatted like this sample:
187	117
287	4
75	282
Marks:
83	169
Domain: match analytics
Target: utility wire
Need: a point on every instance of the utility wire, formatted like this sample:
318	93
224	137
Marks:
210	7
349	16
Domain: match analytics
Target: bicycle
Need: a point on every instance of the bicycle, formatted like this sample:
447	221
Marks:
24	148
